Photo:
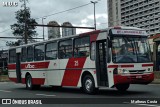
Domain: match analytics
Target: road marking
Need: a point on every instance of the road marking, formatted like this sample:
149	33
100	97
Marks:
46	95
148	105
5	91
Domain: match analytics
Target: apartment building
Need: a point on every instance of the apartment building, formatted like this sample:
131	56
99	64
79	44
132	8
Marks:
138	13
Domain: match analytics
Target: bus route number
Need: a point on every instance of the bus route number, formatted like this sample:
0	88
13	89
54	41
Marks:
76	63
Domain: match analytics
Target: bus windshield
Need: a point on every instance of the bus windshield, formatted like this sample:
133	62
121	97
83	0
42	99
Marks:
130	50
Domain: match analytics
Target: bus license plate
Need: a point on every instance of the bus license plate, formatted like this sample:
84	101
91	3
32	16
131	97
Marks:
139	76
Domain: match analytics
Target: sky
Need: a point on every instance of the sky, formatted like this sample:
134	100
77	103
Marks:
83	16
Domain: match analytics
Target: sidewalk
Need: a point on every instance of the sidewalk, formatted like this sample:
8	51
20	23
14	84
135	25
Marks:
156	77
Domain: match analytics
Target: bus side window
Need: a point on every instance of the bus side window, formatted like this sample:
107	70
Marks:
93	50
30	53
39	52
65	49
24	54
12	56
51	51
81	47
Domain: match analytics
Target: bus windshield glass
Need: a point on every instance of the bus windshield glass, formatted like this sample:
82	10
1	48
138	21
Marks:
130	50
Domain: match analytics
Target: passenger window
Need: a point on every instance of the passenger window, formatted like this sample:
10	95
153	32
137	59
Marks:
81	47
65	49
39	52
30	53
93	50
12	56
24	54
51	51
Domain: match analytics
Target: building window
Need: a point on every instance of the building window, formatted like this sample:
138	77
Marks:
30	53
81	47
65	49
39	52
51	51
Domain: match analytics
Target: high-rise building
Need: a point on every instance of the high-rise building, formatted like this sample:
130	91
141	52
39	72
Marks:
53	32
138	13
68	31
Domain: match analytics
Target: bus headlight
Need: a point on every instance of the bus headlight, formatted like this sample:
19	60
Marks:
125	71
120	71
149	69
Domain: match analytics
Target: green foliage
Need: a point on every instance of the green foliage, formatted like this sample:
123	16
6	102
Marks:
18	28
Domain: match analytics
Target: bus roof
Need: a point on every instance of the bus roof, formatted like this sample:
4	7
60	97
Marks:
82	34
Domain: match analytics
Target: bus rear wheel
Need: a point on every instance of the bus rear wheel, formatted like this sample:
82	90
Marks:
88	85
122	87
29	83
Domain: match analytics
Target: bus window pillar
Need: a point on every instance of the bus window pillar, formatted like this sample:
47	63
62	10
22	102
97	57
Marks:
18	65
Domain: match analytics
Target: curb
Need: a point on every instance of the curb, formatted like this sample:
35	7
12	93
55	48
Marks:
156	81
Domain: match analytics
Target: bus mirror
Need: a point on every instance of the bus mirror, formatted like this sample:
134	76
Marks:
109	43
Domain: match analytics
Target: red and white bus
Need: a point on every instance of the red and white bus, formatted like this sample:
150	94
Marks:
115	57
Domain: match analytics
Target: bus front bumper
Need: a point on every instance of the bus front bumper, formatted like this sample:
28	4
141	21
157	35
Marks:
134	78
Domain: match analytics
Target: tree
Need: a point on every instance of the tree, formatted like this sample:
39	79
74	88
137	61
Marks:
19	27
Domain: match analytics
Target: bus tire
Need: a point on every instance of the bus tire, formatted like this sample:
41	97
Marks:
122	87
88	85
29	84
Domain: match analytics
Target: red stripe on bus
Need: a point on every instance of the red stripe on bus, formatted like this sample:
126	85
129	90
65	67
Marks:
13	79
94	37
35	65
121	66
71	77
11	66
127	66
38	81
146	65
112	66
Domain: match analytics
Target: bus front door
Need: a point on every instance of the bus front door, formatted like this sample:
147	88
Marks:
101	66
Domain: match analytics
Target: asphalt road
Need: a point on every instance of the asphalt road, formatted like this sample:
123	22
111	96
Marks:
149	92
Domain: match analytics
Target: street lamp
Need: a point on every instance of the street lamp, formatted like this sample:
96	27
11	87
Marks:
94	2
43	26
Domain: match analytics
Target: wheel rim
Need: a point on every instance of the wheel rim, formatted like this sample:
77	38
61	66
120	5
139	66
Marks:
29	82
88	84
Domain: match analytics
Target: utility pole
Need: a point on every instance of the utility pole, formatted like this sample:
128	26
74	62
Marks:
25	18
94	2
43	26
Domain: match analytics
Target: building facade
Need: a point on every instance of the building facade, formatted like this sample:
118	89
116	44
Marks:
138	13
53	32
68	31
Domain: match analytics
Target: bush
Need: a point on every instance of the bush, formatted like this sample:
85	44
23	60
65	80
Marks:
4	72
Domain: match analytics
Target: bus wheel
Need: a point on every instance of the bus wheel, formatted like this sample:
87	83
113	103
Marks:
88	85
122	87
29	84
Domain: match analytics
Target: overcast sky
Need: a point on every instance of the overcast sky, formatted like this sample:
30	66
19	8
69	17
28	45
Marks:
82	16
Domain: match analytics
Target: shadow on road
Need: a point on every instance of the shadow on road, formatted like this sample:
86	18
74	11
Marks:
102	92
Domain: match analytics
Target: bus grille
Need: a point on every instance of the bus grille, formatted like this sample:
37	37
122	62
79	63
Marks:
136	71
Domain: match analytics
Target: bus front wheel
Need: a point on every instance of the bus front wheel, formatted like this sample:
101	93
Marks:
122	87
88	85
29	83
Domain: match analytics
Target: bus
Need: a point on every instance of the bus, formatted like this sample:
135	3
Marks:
113	57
